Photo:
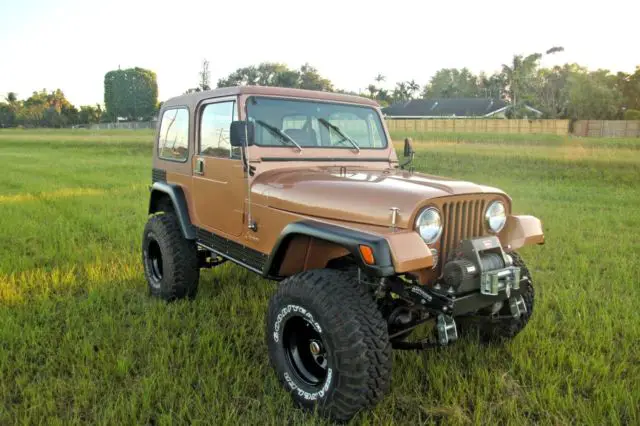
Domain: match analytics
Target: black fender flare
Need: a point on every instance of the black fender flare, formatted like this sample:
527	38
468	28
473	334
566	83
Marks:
179	201
348	238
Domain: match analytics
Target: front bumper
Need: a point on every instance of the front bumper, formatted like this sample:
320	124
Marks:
480	275
475	301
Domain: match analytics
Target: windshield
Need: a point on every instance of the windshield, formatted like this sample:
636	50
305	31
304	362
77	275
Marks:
315	124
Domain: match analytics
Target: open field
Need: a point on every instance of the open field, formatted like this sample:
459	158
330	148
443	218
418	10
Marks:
82	343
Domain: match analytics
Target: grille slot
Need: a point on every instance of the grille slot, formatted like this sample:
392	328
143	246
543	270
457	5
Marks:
462	220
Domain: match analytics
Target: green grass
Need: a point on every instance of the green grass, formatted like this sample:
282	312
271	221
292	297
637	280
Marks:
82	343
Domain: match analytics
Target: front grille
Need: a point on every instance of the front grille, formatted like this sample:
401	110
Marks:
462	220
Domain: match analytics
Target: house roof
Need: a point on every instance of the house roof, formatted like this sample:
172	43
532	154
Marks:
446	107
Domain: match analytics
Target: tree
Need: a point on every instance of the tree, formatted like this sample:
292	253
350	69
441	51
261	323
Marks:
452	83
47	109
130	93
492	86
9	110
89	114
593	96
372	89
7	115
311	79
379	78
632	114
630	87
412	87
520	78
519	75
204	76
401	92
277	74
551	89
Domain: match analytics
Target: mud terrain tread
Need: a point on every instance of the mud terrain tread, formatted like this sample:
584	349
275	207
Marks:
352	319
181	272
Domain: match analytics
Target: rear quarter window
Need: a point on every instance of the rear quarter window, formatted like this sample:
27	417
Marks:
173	138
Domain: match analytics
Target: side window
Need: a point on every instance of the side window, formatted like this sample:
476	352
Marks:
214	130
173	139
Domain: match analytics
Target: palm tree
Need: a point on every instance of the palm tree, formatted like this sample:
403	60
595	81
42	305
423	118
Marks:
520	73
412	87
372	90
401	92
380	78
517	74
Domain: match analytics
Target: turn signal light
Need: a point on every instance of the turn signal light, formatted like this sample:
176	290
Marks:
367	255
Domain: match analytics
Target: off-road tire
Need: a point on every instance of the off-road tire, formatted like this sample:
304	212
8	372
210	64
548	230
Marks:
179	270
354	335
500	330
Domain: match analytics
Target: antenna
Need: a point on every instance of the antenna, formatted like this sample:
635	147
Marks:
251	224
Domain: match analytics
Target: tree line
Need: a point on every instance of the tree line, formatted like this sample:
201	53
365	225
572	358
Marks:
129	94
564	91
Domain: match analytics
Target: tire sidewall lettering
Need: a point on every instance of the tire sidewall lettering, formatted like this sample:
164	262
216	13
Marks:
289	311
285	313
310	396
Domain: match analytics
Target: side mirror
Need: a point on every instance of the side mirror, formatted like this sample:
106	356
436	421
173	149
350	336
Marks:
241	133
408	148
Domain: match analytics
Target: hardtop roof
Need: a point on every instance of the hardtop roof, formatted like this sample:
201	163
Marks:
192	99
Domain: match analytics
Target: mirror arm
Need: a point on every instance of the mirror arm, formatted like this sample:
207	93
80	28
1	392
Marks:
408	162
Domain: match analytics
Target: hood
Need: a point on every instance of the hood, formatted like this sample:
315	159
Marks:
357	195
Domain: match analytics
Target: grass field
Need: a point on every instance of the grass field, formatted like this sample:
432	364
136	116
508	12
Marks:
82	343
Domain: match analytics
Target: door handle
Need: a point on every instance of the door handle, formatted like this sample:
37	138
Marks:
199	170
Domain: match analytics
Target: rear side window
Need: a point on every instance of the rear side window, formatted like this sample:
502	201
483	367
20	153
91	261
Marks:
173	140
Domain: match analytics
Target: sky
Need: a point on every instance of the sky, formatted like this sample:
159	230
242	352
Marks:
71	44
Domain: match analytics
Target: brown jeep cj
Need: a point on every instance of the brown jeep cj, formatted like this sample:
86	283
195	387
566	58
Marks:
305	187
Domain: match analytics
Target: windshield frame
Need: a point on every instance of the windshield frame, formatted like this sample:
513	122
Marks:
384	137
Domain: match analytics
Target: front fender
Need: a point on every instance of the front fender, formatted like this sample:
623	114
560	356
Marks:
520	231
349	238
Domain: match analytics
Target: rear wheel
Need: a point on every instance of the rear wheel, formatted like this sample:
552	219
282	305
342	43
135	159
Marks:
328	343
170	260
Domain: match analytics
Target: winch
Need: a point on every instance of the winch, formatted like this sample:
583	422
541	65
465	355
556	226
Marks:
481	264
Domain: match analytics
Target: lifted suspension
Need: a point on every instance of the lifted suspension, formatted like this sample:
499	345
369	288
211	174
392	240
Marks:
412	306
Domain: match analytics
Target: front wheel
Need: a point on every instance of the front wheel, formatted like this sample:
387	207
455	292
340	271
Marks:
328	343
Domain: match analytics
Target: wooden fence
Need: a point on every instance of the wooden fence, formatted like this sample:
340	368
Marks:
479	125
607	128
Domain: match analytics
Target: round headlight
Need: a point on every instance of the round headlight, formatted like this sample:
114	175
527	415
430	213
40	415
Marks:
429	225
495	216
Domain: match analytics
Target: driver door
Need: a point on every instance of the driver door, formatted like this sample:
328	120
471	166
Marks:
219	182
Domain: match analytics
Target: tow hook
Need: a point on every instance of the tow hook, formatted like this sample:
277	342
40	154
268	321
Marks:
447	330
517	306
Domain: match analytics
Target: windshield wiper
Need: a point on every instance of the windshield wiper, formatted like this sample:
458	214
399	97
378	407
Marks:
339	132
278	132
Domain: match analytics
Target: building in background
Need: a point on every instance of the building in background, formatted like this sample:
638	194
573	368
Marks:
452	108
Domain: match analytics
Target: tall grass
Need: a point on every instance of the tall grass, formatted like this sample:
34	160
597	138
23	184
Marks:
82	343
